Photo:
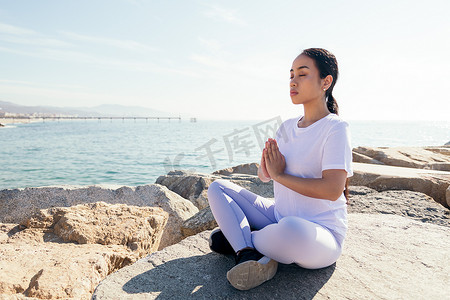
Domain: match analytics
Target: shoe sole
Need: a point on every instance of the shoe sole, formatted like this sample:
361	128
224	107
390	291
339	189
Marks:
250	274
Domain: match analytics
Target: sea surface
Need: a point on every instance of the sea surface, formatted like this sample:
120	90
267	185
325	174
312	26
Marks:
137	152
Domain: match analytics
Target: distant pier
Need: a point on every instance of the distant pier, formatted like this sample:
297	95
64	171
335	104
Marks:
89	118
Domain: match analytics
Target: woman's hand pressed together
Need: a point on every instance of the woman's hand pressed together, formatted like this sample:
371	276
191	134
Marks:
329	186
275	161
263	167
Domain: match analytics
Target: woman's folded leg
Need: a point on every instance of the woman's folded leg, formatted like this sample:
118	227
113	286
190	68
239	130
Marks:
296	240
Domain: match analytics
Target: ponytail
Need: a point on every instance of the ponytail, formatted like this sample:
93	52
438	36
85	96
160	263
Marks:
332	104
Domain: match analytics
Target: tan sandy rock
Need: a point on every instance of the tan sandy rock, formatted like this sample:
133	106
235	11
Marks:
17	205
16	297
380	177
54	270
138	228
63	253
250	169
433	158
201	221
358	157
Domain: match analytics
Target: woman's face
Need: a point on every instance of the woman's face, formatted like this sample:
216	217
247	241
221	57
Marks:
305	84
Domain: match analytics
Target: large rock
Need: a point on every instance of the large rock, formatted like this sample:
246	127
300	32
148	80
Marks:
201	221
19	204
385	257
55	270
194	186
434	158
250	169
379	177
138	228
361	158
65	252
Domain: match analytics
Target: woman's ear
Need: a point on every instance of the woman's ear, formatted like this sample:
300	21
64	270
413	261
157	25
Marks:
327	81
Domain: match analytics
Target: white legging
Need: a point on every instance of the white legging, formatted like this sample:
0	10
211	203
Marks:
291	240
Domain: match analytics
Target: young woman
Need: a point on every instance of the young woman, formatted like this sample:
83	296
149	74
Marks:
309	162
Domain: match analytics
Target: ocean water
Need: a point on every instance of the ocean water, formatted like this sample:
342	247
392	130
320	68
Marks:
79	152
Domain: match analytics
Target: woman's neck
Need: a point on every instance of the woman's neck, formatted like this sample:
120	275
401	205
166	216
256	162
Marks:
313	113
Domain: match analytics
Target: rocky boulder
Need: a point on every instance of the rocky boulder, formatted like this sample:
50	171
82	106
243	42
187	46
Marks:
385	256
382	178
434	158
250	169
361	158
63	253
194	186
191	186
138	228
53	270
201	221
19	204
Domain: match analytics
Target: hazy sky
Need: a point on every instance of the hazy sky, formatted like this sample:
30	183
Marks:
225	59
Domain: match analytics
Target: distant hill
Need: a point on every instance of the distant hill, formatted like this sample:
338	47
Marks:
105	110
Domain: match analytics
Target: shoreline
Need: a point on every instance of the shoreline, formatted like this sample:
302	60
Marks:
9	121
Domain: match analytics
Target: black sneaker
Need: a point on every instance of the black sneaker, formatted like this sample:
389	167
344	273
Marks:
219	243
252	269
248	254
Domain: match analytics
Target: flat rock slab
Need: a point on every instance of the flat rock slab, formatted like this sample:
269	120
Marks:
385	257
434	157
397	171
381	178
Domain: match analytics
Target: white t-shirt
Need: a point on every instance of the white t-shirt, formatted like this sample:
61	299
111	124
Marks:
308	151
